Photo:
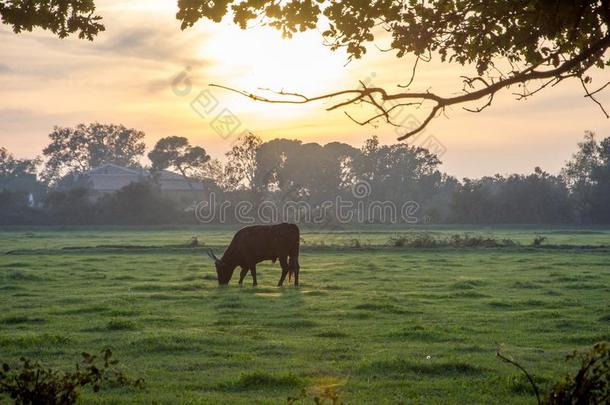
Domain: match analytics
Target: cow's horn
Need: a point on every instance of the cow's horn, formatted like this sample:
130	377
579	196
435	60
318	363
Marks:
212	255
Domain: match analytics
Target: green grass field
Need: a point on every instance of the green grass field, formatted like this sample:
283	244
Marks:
364	320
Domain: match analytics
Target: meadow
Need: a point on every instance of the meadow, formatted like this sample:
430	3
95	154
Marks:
376	323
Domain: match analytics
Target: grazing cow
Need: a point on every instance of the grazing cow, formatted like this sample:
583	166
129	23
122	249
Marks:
253	244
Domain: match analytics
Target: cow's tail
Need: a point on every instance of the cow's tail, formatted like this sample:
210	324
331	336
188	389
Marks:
293	261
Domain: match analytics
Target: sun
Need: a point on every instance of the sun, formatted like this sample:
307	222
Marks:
259	58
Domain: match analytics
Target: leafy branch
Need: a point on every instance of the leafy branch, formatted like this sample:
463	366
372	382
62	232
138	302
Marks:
33	383
378	97
590	384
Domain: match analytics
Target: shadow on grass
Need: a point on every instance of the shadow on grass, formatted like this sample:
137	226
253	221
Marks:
439	369
381	307
27	341
467	284
422	334
21	319
25	276
331	334
258	380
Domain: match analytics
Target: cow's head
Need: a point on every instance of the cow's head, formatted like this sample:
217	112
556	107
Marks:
224	272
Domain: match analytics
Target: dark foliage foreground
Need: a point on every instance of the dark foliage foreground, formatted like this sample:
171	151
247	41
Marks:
590	385
35	384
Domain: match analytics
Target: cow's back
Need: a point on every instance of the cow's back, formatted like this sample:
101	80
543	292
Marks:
256	243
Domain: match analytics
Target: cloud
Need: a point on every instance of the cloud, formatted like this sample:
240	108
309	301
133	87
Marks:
142	43
15	120
5	68
15	115
149	36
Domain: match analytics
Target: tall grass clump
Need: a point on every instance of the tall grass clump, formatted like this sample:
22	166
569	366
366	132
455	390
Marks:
426	240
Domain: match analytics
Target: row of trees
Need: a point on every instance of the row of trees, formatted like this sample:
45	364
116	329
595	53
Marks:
284	169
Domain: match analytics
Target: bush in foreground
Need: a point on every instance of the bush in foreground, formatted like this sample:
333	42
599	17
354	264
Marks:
34	384
590	385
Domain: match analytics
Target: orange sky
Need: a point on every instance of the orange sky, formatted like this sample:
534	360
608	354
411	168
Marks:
125	76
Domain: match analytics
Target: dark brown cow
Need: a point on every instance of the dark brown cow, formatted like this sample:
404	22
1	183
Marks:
253	244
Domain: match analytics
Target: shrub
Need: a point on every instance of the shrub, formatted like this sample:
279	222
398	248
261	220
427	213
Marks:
426	240
509	243
420	240
398	241
467	240
589	385
423	240
34	384
538	240
355	243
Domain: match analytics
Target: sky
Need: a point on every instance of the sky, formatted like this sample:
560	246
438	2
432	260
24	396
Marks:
145	73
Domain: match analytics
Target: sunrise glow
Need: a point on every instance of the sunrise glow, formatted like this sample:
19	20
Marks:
126	75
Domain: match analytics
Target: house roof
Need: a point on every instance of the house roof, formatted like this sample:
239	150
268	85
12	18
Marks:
112	169
110	177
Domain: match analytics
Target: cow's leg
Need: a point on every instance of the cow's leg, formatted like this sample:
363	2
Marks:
284	265
253	272
242	274
293	264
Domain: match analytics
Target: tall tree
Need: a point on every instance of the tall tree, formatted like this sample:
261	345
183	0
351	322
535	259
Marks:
579	169
528	44
399	172
535	198
78	149
61	17
600	195
11	167
215	171
588	176
270	160
241	161
175	152
317	172
18	175
473	201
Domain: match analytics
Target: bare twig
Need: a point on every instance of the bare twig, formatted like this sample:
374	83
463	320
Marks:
592	97
600	89
529	377
412	74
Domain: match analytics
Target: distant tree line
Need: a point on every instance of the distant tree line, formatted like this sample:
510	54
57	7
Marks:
44	190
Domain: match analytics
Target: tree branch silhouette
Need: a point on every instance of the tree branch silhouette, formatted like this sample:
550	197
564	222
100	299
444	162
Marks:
574	67
542	43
